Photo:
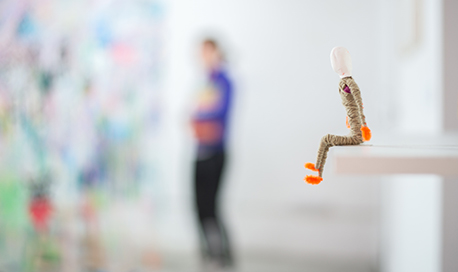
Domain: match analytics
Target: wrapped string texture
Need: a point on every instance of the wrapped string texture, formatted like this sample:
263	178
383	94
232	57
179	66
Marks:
352	102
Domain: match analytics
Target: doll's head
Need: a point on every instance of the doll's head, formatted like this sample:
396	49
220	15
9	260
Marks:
341	61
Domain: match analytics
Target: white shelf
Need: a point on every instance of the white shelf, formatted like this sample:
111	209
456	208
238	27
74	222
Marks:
430	156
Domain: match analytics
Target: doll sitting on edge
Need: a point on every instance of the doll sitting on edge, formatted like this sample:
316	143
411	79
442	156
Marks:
351	99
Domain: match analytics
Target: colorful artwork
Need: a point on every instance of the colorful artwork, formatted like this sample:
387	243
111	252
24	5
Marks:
80	90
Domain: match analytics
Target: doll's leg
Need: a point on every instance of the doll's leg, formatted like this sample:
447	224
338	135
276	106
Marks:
325	144
327	141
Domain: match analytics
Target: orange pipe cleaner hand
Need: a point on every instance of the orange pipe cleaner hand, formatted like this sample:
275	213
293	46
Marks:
367	135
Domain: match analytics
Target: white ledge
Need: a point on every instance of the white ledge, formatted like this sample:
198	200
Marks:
392	159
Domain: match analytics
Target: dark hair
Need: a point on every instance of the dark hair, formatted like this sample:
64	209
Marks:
214	44
210	42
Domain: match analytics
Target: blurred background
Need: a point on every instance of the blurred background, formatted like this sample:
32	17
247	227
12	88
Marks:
97	152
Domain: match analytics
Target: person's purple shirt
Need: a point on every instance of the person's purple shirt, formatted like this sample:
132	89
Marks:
219	80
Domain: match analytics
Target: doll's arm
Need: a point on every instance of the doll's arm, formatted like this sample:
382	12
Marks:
359	102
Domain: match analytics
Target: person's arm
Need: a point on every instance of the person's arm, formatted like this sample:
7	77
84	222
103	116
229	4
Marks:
221	109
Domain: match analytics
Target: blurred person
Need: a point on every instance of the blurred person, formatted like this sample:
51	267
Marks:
210	123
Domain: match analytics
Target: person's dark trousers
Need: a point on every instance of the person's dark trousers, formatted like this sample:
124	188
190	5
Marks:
214	239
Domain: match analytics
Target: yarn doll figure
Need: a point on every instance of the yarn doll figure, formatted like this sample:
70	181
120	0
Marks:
351	99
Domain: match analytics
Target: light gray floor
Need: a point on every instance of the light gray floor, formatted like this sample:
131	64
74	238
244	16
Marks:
283	238
270	262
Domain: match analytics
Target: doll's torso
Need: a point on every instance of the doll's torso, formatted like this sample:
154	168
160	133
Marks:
347	87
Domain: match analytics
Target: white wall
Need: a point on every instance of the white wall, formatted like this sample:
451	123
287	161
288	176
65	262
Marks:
411	205
417	65
286	101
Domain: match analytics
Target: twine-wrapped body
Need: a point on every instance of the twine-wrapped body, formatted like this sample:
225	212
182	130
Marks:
352	102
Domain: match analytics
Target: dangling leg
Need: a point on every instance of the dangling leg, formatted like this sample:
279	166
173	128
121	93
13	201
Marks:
327	141
321	158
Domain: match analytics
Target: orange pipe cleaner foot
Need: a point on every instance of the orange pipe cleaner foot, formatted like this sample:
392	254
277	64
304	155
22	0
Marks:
314	180
367	135
311	166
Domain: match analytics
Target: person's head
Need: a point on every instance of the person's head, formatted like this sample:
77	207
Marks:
211	54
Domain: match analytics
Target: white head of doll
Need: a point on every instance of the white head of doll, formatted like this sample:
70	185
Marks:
341	61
